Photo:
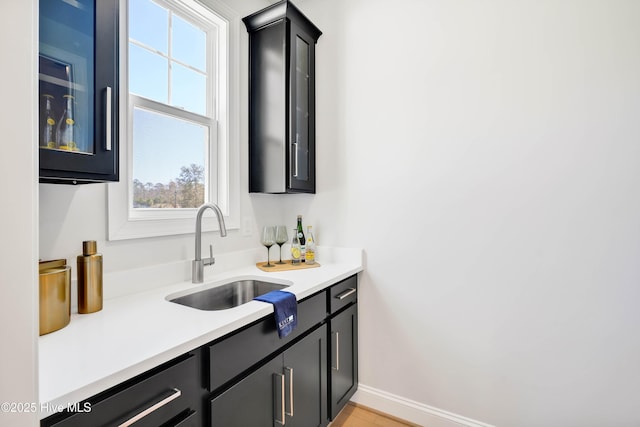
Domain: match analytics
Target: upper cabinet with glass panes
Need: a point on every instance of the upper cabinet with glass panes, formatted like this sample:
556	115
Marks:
78	91
282	120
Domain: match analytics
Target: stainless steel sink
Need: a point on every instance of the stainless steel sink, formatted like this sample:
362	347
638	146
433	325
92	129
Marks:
228	295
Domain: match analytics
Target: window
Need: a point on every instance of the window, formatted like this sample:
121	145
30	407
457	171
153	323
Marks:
179	128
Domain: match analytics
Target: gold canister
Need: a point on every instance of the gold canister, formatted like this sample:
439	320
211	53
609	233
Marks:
89	278
55	295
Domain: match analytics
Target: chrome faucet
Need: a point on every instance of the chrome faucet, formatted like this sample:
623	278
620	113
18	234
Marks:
197	265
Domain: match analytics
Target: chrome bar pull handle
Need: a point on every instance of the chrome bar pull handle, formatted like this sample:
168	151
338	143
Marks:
278	382
343	295
295	156
176	394
288	372
336	354
107	119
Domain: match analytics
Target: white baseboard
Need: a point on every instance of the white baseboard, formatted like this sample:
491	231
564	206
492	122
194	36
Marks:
409	410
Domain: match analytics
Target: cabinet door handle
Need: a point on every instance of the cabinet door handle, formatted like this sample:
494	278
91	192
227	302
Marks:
295	157
278	382
175	393
349	291
288	372
337	352
107	118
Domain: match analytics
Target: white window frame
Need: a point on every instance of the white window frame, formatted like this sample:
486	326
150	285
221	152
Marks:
124	222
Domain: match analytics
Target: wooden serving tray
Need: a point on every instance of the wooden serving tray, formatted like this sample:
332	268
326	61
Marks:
286	266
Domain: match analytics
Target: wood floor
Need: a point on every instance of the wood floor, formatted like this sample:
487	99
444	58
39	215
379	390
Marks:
360	416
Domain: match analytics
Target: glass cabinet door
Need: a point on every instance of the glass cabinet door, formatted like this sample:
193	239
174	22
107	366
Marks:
302	111
66	75
77	90
301	141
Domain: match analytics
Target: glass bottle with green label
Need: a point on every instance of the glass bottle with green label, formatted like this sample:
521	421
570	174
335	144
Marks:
301	238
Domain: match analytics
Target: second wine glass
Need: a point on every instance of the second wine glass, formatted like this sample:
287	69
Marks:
281	238
268	239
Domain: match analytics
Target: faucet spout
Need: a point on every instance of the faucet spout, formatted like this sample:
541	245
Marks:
197	266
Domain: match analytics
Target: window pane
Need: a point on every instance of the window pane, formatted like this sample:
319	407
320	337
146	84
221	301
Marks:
188	89
149	24
148	74
168	161
188	44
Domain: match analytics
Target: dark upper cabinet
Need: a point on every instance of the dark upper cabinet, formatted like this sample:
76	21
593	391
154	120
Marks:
282	121
78	91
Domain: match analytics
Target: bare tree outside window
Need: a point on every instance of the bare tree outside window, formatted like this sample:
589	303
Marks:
185	191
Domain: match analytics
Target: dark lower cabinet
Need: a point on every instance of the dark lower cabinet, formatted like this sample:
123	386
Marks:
250	402
344	358
244	350
169	395
305	369
290	389
245	379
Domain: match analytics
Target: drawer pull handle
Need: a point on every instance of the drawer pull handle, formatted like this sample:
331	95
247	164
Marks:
349	291
174	395
278	380
288	372
107	118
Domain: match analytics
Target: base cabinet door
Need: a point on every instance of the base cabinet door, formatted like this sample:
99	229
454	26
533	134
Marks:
305	369
343	352
290	390
257	400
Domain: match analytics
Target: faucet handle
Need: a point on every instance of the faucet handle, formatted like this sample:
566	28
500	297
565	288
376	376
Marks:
211	260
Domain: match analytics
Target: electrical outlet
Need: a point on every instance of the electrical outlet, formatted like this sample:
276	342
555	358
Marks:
247	225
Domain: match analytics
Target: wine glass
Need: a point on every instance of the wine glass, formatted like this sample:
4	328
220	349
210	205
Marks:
281	238
268	239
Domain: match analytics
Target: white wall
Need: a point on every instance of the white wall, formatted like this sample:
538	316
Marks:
18	213
487	157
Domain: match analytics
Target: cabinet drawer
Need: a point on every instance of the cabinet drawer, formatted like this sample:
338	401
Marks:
236	353
163	395
342	294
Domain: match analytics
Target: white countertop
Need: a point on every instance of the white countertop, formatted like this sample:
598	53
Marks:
135	332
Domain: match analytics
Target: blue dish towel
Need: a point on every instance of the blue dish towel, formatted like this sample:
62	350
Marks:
285	308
